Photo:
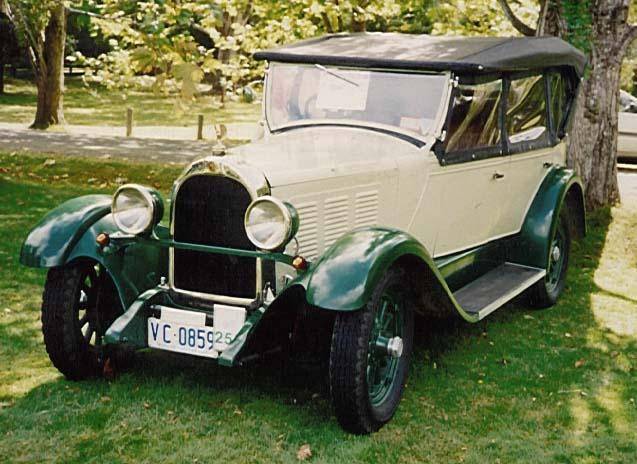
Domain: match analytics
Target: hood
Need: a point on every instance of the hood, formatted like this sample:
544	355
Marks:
311	153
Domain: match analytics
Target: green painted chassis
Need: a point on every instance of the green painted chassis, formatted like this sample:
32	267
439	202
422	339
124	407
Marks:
342	279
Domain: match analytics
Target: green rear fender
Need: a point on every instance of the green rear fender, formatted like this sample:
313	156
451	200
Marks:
68	233
561	187
344	278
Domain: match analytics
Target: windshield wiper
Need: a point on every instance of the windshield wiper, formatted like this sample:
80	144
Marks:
338	76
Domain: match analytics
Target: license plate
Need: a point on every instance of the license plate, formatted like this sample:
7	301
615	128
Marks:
185	331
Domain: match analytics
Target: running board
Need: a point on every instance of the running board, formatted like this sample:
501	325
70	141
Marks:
496	288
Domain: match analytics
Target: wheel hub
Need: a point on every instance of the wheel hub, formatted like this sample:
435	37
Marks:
395	347
556	253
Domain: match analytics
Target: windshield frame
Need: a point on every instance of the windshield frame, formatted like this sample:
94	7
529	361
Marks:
437	126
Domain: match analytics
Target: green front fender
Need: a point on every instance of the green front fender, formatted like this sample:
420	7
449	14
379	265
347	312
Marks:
68	234
560	186
53	239
344	278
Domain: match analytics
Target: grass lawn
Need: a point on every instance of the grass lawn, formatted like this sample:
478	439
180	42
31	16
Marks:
558	385
96	106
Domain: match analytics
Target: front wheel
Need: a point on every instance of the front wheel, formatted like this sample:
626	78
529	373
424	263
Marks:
369	356
78	305
546	292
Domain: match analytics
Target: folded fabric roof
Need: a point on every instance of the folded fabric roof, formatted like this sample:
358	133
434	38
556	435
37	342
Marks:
435	53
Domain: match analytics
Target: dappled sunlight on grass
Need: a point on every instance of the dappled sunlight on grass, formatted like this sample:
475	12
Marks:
581	418
614	299
615	314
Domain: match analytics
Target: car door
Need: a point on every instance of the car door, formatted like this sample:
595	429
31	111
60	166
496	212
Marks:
471	179
531	146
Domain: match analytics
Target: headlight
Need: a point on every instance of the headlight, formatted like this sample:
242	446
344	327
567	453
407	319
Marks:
136	209
270	224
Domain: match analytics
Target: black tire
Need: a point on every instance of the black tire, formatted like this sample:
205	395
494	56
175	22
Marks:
350	359
546	292
78	305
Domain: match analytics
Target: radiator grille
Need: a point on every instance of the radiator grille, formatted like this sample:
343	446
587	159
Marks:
209	210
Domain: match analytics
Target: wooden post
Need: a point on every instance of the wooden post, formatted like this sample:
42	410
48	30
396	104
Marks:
129	122
200	127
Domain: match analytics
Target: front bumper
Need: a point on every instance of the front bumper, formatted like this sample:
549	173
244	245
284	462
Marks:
131	328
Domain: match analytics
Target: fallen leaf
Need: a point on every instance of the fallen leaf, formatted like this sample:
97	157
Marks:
108	371
304	453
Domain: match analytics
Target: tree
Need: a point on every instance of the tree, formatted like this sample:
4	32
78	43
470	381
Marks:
602	28
199	40
7	41
43	27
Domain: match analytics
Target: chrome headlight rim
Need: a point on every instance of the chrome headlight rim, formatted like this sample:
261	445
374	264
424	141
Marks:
153	201
290	222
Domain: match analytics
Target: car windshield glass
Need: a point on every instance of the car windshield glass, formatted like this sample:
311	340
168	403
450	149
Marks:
313	94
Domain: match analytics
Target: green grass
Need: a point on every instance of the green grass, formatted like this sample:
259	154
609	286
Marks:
96	106
558	385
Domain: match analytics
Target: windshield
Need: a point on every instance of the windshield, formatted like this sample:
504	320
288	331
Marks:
313	94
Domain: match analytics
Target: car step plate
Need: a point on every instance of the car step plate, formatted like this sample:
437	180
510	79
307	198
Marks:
496	288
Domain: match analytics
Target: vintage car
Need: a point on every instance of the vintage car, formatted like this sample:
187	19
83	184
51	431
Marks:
396	176
627	137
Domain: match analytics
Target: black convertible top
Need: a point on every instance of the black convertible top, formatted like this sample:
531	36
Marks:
435	53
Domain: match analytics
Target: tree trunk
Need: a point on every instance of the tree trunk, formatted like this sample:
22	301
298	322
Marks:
5	31
50	75
593	150
2	64
551	20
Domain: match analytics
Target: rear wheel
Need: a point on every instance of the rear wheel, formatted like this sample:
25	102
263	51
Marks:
369	357
79	304
546	292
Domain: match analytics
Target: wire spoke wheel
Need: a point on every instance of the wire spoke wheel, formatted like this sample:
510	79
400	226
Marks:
79	303
86	306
